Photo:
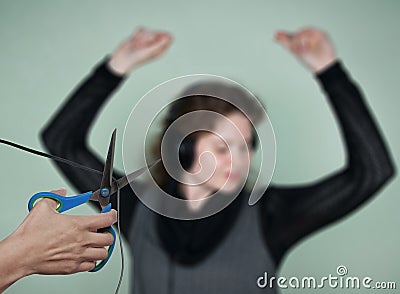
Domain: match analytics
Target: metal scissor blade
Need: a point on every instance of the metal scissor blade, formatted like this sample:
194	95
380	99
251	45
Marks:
122	182
106	181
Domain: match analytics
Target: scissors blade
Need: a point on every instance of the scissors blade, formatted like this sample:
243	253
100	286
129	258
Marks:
122	182
106	181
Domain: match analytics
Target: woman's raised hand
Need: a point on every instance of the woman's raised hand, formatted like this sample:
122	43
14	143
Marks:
142	46
311	46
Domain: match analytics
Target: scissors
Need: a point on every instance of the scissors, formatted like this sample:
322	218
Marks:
107	188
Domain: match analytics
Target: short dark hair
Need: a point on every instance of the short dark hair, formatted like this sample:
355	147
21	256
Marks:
218	97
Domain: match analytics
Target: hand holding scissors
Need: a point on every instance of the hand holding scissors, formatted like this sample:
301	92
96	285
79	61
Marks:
107	188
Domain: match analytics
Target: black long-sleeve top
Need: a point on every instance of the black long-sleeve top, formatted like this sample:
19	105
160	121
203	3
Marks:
288	213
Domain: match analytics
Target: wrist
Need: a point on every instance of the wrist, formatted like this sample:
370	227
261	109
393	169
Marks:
324	65
13	265
116	68
120	69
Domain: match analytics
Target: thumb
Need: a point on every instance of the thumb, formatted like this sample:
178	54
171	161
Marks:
53	203
284	38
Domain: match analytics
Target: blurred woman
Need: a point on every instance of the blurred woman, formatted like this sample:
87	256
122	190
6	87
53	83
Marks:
225	252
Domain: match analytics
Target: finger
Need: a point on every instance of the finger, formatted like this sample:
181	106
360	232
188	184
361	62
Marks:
101	239
61	191
101	220
92	254
145	40
53	204
162	36
86	266
307	32
138	34
148	37
284	39
166	39
310	37
160	49
139	31
154	37
160	44
299	44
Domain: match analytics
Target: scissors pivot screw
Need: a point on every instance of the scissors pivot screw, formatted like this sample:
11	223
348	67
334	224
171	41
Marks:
105	192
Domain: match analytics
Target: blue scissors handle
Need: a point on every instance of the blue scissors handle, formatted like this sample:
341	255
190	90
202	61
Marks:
102	263
66	203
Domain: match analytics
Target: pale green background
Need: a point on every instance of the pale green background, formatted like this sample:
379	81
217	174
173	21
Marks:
48	46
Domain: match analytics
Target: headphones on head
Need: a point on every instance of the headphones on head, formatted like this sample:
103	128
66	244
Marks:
187	146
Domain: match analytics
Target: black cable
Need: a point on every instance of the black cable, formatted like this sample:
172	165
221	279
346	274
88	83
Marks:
120	243
56	158
77	165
